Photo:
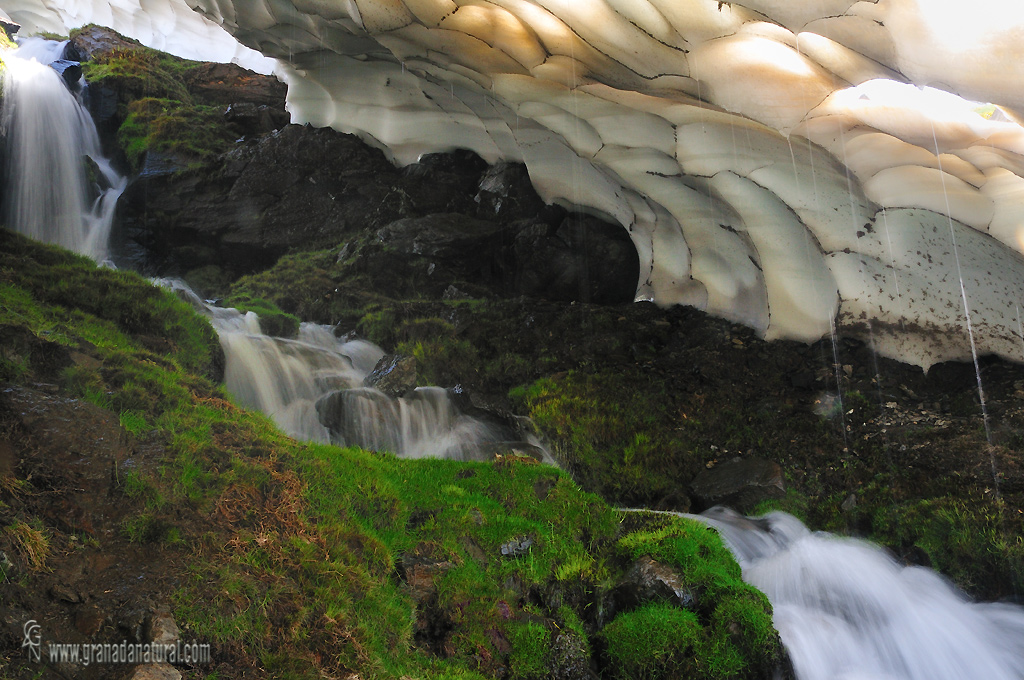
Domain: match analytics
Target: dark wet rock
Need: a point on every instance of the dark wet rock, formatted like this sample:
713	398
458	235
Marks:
448	237
583	259
741	483
232	84
102	101
444	182
256	119
11	28
504	425
394	375
298	187
505	193
69	71
651	581
517	547
359	417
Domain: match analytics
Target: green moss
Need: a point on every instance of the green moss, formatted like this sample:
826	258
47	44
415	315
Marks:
136	73
5	44
531	651
193	132
272	320
963	538
730	632
655	641
611	434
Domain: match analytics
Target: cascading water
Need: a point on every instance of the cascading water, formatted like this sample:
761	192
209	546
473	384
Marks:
847	611
313	387
49	136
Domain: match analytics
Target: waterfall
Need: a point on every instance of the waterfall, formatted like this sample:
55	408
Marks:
847	611
59	186
313	388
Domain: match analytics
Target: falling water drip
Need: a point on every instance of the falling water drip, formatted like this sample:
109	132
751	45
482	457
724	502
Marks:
52	149
967	316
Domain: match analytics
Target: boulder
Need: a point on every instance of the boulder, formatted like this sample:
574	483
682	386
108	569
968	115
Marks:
96	41
156	671
394	375
232	84
69	71
11	28
255	119
360	417
740	483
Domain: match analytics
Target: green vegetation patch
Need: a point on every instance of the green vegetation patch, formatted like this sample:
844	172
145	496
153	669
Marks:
611	433
137	73
272	320
194	132
727	634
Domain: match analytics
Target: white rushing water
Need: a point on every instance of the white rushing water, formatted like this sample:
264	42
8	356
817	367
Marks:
313	388
846	610
49	136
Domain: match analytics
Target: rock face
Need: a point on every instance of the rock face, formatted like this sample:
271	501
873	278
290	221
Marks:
297	187
231	84
96	41
581	259
740	483
447	215
394	375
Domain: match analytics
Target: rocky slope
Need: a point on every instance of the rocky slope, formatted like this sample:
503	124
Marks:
138	504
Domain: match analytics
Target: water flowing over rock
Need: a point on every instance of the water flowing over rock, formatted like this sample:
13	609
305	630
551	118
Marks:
846	609
313	388
48	137
393	375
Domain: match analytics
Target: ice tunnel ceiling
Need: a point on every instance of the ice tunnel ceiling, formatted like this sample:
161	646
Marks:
777	163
